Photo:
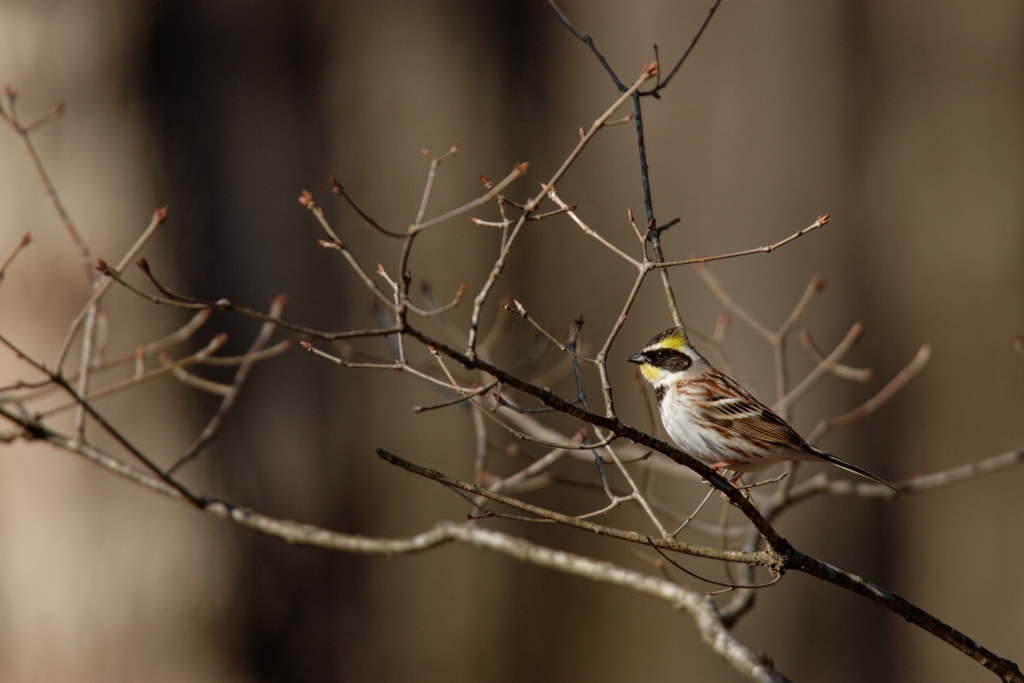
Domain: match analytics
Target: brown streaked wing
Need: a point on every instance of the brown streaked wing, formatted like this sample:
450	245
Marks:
756	422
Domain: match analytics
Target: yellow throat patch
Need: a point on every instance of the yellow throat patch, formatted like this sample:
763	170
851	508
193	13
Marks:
651	373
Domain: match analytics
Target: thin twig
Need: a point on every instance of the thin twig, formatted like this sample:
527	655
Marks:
823	368
838	369
434	163
475	392
211	429
879	399
24	132
517	171
693	43
588	230
25	240
822	220
134	381
159	216
306	199
340	191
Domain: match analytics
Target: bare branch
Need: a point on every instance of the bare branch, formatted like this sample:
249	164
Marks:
879	399
434	163
821	483
159	216
822	220
824	367
837	369
572	214
340	191
25	240
231	392
335	243
760	558
517	171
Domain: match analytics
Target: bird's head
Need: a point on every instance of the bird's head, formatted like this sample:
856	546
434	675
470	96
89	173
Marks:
667	356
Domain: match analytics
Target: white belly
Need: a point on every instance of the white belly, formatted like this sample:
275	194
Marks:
711	446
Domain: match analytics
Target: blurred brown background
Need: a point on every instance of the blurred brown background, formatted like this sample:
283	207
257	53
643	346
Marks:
904	120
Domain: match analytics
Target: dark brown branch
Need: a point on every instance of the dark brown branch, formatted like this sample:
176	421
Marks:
340	191
693	43
1004	668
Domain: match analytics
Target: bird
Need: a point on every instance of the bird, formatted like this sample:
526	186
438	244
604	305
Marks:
715	420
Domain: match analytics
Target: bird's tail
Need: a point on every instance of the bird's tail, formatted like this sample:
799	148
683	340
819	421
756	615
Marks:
850	467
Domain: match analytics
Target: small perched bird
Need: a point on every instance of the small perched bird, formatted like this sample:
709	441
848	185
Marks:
714	419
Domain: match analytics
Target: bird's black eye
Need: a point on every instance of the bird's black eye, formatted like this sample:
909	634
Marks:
661	354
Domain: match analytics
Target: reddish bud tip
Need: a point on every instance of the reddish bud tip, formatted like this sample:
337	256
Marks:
280	300
579	320
221	338
462	289
824	218
160	215
424	152
454	149
306	345
818	282
522	167
858	329
306	199
101	265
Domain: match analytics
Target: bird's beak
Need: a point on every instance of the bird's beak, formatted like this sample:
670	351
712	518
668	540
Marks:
637	358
